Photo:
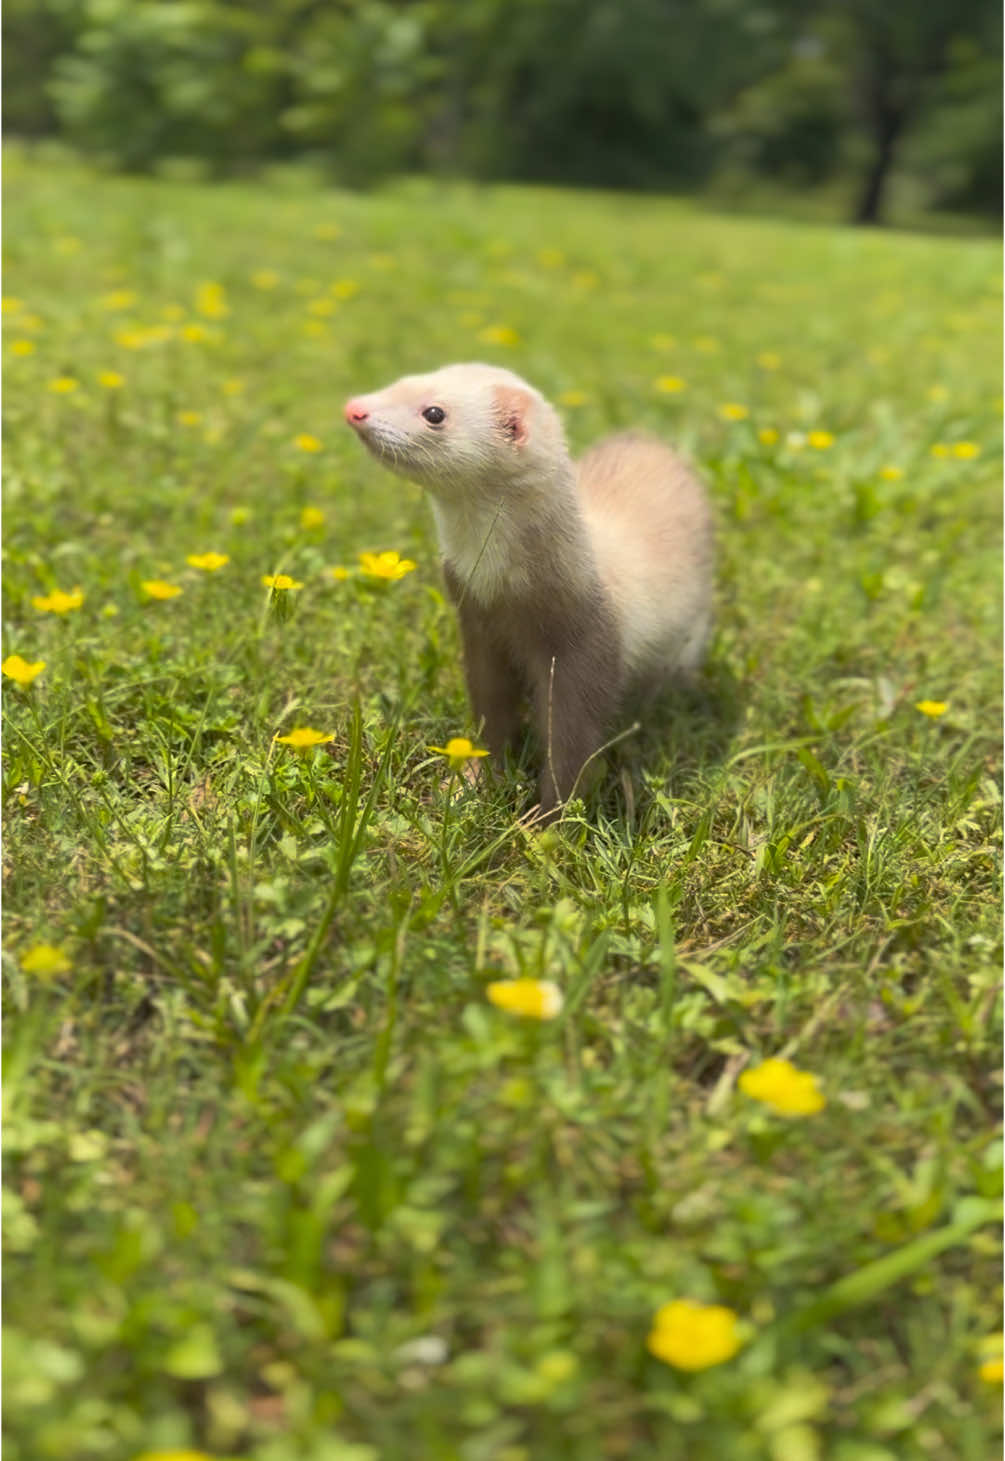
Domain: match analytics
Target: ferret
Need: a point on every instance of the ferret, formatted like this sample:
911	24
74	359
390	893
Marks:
573	582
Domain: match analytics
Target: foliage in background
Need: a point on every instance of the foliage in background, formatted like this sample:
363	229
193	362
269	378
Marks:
288	1175
643	93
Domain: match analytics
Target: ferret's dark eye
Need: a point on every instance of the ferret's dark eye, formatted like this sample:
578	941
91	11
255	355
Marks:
434	415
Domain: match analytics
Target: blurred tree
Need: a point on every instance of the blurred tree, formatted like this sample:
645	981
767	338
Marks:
153	80
791	126
897	52
632	93
35	34
364	76
957	140
602	91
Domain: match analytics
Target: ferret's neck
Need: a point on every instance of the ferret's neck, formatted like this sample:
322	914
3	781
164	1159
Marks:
501	545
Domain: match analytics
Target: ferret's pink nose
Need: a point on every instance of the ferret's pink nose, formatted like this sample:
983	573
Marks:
355	412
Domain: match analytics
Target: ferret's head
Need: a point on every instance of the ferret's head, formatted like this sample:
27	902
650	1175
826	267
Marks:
463	431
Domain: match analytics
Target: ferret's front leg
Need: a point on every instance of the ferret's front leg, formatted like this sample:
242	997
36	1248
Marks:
495	687
575	696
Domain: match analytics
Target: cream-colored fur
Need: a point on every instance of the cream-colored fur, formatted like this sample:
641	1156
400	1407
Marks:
488	492
650	526
484	547
570	583
631	505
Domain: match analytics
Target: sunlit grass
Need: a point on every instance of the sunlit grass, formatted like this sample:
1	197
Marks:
345	1117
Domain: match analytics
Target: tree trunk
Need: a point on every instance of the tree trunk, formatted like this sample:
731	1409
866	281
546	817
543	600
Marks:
887	128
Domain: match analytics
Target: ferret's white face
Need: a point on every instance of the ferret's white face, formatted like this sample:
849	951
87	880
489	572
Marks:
465	430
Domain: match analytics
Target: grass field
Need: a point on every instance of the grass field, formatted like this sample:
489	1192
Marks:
282	1183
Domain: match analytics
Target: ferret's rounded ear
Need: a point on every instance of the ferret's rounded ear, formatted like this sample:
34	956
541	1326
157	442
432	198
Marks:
512	408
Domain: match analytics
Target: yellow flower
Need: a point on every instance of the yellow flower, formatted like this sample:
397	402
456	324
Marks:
321	307
147	335
11	305
557	1366
345	288
821	440
939	449
731	411
240	515
767	436
264	279
185	1455
208	562
788	1091
707	344
32	323
937	393
550	258
156	588
499	335
535	999
68	244
339	573
891	474
312	517
63	385
22	347
118	299
303	739
458	750
573	398
280	582
194	333
315	329
991	1369
662	342
966	450
768	360
45	960
58	602
932	708
693	1336
669	384
20	671
307	443
111	380
389	565
211	300
188	418
232	387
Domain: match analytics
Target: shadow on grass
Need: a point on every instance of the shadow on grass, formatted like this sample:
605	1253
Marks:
687	729
683	732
